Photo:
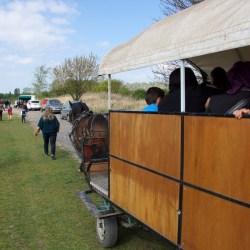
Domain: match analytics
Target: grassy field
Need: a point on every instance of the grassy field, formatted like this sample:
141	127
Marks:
98	102
39	208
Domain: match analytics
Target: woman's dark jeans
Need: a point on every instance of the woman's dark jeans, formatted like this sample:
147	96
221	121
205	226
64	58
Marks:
49	137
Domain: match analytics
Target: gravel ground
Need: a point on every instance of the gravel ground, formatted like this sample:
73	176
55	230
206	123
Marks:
62	137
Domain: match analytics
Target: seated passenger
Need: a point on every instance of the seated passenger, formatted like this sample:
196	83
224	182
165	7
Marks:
238	113
219	84
152	98
237	96
195	99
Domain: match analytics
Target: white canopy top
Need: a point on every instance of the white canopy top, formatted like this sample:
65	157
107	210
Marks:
211	33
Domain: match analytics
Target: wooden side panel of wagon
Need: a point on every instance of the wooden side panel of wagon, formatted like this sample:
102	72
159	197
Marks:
186	177
216	198
144	161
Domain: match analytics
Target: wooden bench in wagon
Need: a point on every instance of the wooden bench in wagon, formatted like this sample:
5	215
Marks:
193	189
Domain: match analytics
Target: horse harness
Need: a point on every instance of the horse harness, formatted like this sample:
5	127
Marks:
88	131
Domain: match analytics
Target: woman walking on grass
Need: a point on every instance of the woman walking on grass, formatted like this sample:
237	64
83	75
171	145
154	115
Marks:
49	125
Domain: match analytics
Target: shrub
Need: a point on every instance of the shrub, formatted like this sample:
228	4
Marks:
139	94
116	86
102	87
124	91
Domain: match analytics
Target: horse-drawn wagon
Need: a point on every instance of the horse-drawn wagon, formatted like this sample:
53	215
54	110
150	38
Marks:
184	175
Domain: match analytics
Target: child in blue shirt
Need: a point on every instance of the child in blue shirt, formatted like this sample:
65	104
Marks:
152	98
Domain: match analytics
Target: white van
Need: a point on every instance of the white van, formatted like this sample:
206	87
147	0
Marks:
34	105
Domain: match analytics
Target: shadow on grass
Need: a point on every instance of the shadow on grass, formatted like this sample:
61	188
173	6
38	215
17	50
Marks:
151	240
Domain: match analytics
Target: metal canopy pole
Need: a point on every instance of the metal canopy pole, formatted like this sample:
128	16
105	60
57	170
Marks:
109	91
183	106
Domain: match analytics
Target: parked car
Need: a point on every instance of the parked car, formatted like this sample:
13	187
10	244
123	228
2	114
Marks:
55	104
65	111
33	105
66	108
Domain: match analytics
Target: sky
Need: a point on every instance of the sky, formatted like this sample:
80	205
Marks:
45	32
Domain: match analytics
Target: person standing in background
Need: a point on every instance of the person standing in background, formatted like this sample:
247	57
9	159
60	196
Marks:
10	112
50	126
23	115
1	109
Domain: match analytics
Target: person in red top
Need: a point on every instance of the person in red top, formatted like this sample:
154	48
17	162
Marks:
44	102
10	112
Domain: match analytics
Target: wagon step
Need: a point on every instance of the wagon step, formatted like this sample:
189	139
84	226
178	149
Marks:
92	207
99	160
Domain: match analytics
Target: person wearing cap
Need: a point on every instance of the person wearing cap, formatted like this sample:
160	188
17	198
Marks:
49	125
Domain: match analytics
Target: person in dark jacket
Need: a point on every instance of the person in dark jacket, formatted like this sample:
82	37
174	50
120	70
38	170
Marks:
219	84
239	93
1	109
50	126
194	94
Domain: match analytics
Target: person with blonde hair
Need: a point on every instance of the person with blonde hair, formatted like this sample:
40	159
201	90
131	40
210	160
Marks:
49	125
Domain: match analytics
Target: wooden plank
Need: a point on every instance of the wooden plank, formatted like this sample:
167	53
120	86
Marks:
150	140
213	223
217	155
152	199
100	167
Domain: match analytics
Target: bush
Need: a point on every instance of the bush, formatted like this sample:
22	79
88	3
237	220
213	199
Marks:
102	87
139	94
124	91
116	86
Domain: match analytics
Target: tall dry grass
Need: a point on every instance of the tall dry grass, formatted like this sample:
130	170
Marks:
98	102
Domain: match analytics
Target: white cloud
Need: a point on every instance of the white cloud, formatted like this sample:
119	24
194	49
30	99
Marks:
15	59
60	21
35	24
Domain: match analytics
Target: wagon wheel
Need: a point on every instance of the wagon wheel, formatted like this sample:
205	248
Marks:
107	230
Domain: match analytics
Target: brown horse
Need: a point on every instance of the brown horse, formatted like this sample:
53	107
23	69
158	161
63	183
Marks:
89	135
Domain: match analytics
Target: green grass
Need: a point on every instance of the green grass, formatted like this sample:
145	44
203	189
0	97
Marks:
39	208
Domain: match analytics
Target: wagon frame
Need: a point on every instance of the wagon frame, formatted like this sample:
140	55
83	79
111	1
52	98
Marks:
184	175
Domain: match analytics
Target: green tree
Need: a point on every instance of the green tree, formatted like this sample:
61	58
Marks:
40	83
75	76
117	86
27	91
17	91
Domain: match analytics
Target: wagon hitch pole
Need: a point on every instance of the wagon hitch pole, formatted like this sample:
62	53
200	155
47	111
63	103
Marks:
96	213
